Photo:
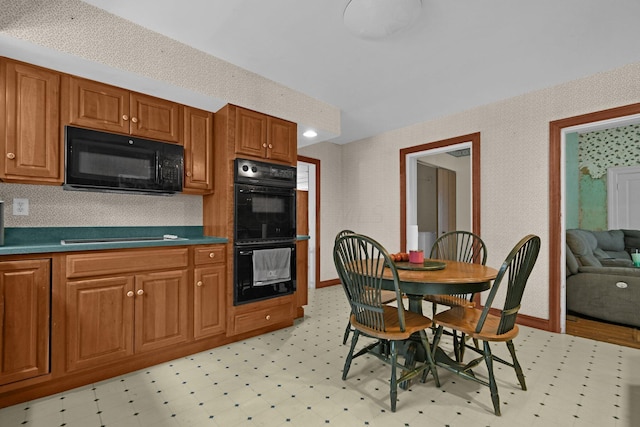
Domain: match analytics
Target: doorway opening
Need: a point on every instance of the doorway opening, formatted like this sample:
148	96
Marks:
309	180
559	130
408	176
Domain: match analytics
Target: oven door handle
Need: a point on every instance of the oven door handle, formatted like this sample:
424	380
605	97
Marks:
245	253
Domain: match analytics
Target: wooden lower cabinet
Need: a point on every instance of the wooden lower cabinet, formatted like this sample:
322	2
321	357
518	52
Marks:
209	291
264	314
25	287
99	321
113	318
160	310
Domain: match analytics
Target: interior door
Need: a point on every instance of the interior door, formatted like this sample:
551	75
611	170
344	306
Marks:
446	201
623	198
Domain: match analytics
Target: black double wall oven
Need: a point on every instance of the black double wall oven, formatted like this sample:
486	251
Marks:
264	231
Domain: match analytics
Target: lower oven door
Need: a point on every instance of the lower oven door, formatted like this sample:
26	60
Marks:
264	271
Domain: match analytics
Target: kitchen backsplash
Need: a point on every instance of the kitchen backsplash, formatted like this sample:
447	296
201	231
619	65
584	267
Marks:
51	206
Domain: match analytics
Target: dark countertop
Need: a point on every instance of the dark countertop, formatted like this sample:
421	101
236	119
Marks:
32	240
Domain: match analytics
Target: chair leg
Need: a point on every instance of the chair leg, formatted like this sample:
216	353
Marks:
346	333
516	365
347	363
434	309
430	361
393	392
488	358
458	346
436	341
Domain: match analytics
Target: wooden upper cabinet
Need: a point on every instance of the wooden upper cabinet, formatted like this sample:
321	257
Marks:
283	141
265	137
25	287
155	118
29	124
99	106
198	151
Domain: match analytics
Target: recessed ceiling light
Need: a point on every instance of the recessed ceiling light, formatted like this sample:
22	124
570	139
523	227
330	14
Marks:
310	133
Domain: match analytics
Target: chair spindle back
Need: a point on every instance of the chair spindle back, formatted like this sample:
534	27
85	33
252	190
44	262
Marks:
515	270
360	262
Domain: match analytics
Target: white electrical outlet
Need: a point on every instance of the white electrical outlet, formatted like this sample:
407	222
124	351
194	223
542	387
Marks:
21	206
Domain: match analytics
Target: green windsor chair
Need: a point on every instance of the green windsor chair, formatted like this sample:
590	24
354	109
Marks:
481	325
361	262
462	246
387	296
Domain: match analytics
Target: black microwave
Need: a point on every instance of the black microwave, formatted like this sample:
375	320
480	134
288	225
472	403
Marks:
100	161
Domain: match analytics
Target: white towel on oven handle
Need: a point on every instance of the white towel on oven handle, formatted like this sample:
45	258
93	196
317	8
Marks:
271	266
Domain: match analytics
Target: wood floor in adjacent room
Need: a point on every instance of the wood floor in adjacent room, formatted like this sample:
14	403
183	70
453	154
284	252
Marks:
601	331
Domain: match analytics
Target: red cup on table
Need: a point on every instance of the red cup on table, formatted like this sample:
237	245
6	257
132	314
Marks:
416	257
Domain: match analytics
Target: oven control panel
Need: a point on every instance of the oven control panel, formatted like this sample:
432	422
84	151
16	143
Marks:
255	172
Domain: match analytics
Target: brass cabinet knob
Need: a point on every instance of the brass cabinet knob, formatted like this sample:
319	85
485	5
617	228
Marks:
188	173
199	283
11	156
134	119
140	292
264	145
268	317
212	255
270	145
130	294
125	117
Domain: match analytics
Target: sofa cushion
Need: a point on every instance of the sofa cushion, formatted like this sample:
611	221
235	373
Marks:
610	240
610	245
631	240
582	243
572	262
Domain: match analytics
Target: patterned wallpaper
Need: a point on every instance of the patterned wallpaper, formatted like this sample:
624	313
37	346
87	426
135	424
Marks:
598	151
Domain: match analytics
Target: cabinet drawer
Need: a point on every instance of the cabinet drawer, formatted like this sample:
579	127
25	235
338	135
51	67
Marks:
116	262
246	322
209	254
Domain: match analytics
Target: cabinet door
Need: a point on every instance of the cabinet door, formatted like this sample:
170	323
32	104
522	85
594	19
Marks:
155	118
161	309
24	319
282	141
95	105
31	137
208	301
99	321
251	133
198	151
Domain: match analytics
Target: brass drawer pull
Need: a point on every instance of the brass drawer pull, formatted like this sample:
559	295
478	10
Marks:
268	317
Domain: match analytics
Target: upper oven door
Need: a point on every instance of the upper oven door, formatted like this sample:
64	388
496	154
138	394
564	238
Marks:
264	214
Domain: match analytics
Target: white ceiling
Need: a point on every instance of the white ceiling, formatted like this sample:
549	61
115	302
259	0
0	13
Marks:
458	55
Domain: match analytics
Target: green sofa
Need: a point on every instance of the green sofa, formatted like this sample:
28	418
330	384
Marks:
602	282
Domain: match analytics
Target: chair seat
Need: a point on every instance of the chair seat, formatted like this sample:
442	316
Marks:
465	320
414	322
450	300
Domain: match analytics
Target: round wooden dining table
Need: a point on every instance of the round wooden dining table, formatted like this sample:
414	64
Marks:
455	278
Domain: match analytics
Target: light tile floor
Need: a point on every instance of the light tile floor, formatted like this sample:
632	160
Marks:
292	377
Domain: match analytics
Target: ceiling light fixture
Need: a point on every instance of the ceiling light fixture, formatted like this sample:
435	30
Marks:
310	134
377	19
